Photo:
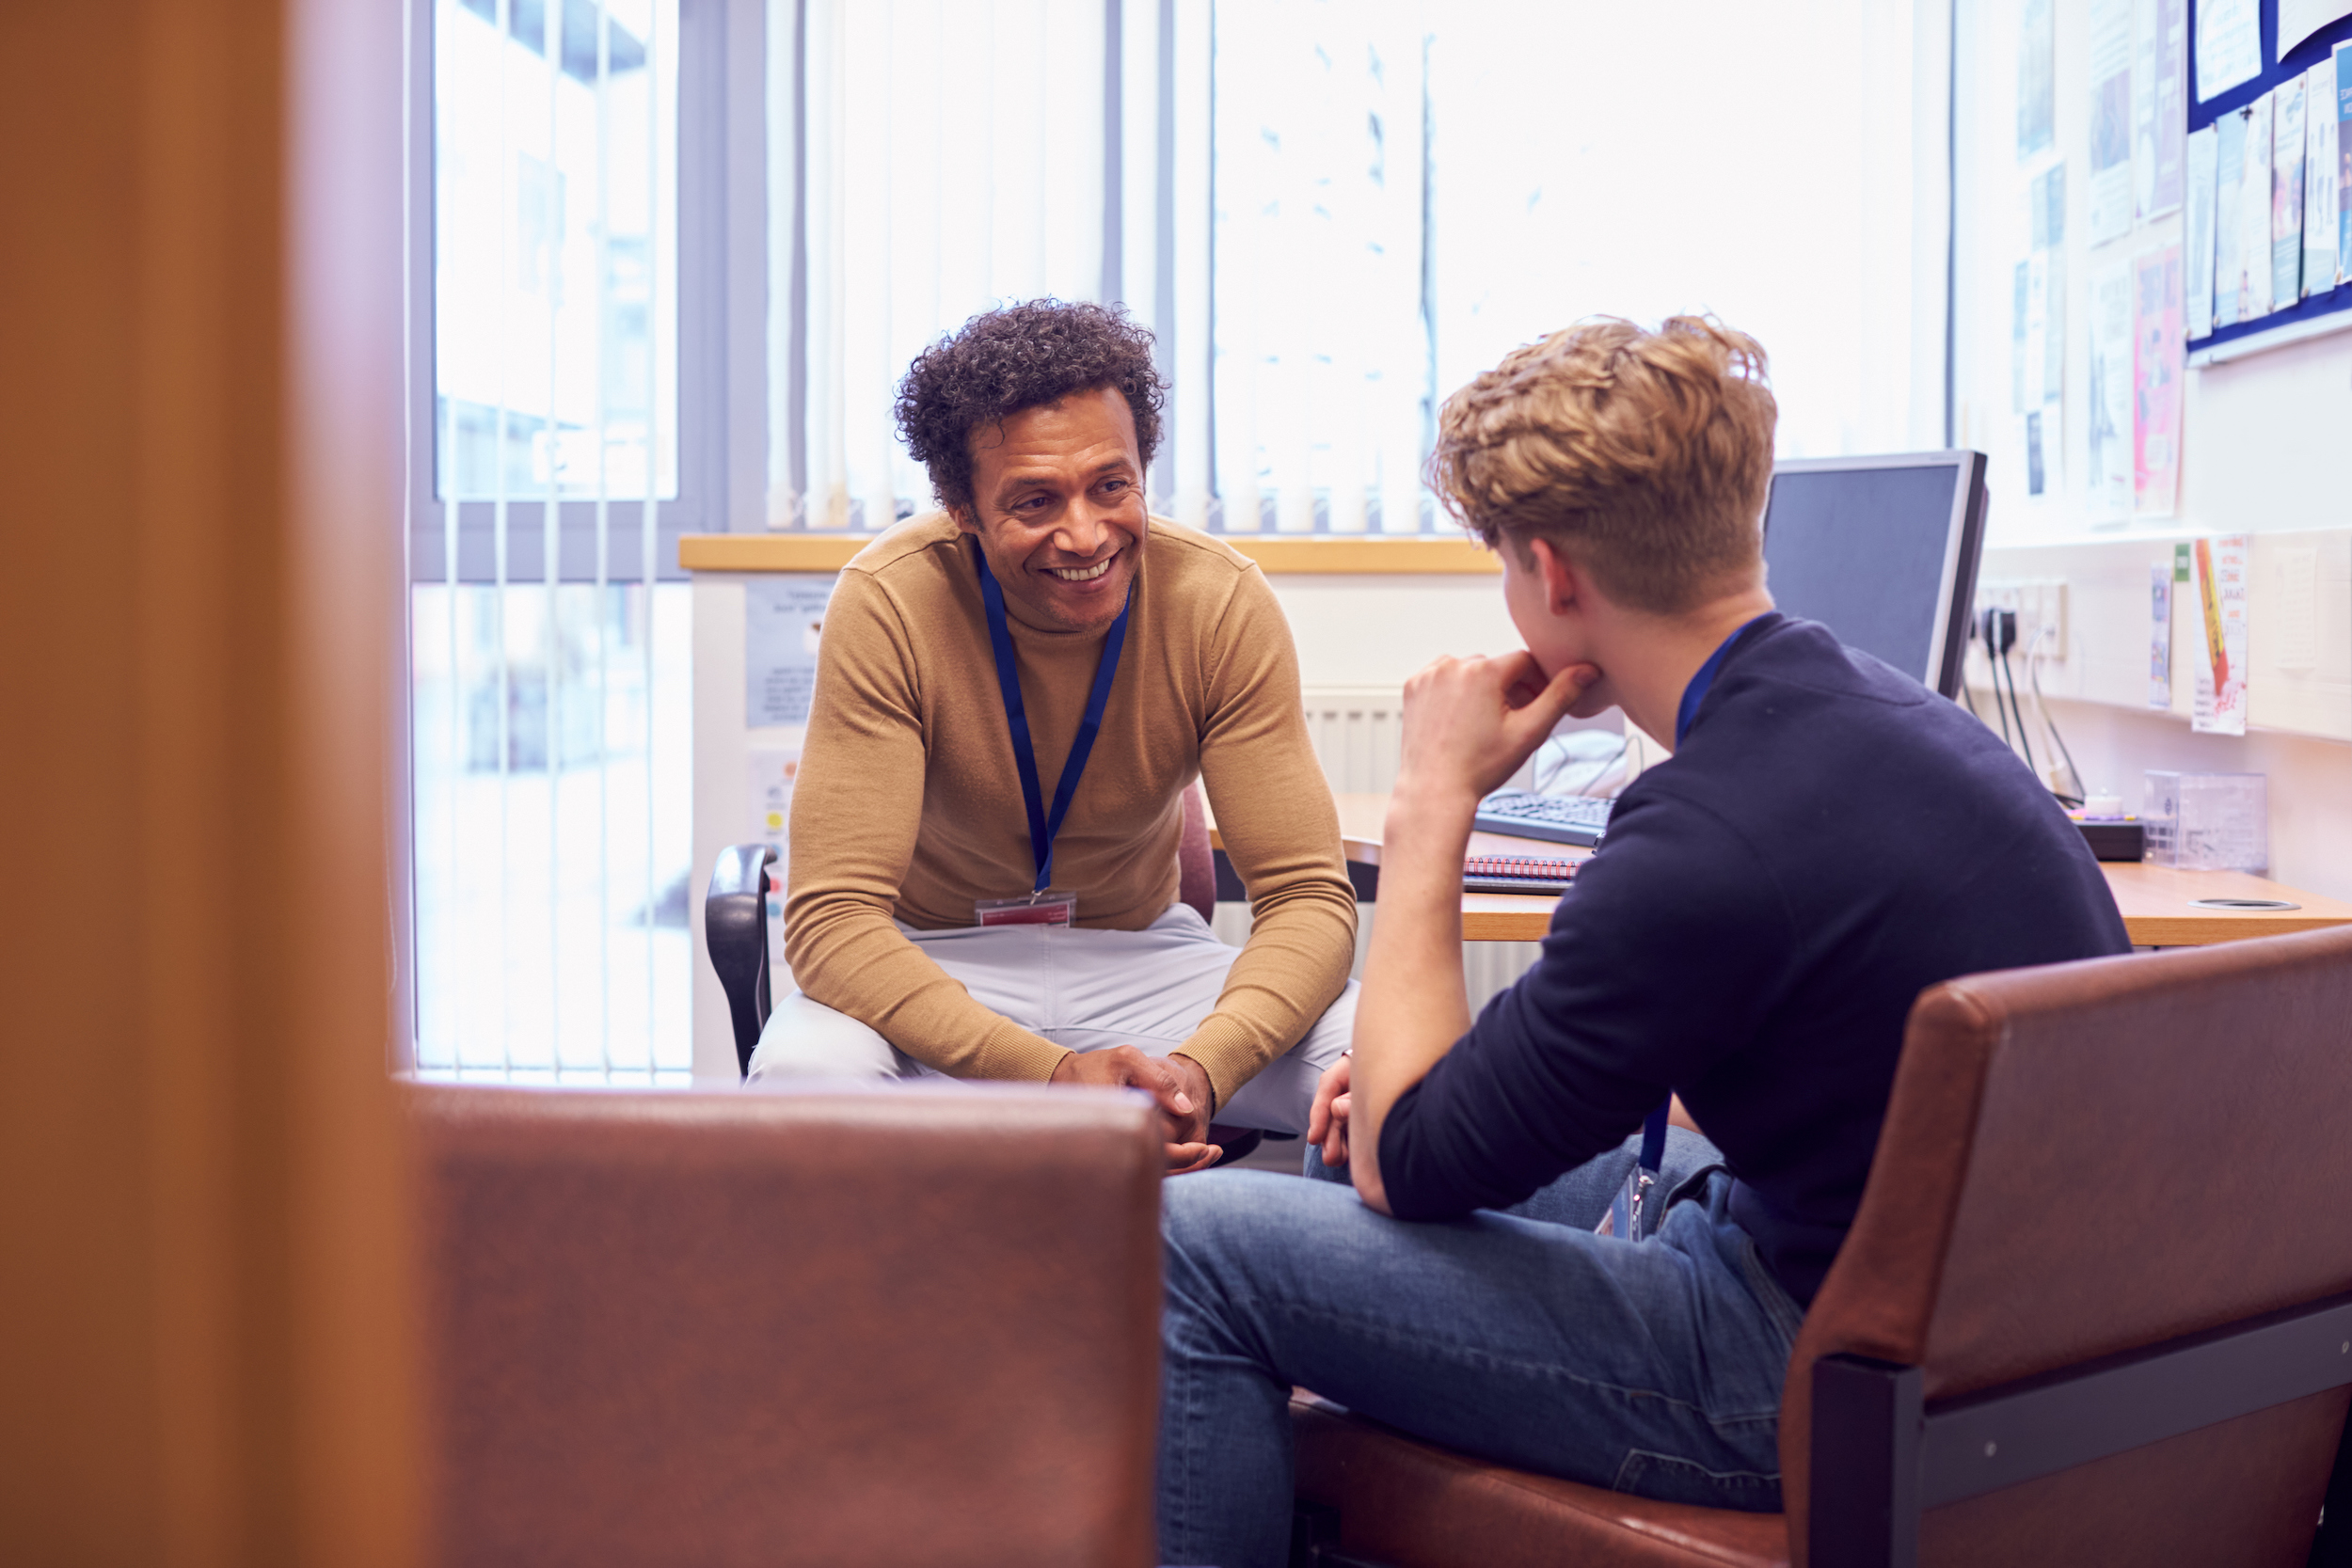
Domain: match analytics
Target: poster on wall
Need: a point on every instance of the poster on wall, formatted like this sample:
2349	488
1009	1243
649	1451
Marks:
2111	196
2342	62
2286	194
2299	19
2220	659
2160	635
2228	233
2036	78
2228	45
2110	475
2320	176
2255	296
774	769
781	617
2198	278
2158	359
2160	106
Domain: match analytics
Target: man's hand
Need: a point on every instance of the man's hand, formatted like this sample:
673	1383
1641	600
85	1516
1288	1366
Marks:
1469	722
1178	1084
1326	1119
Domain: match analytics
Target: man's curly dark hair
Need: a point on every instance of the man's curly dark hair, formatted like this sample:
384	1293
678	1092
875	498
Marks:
1021	356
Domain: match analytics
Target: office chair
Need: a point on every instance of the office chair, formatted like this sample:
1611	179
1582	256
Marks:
734	932
2096	1306
827	1327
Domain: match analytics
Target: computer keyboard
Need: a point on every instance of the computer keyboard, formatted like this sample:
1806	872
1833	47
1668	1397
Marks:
1558	819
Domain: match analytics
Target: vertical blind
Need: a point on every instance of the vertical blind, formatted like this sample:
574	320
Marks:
549	693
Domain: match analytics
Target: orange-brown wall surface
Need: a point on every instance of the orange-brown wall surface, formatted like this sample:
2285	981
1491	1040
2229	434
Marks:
206	1329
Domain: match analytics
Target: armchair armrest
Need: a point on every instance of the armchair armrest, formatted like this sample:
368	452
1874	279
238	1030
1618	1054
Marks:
735	929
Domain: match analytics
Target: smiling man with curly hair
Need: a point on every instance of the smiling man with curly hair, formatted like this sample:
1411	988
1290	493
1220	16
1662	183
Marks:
1013	694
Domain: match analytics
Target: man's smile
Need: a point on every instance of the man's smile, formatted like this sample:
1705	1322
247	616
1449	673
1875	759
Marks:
1084	574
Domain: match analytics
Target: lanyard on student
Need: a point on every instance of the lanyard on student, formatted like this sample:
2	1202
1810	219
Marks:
1043	827
1696	693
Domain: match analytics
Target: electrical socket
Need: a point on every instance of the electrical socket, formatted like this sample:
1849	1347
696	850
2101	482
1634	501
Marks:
2038	602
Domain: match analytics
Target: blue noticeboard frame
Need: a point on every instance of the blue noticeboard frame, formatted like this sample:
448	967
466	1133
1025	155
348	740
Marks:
2307	314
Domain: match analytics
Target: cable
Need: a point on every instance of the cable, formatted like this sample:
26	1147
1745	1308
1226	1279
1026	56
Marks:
1992	661
2042	706
2023	739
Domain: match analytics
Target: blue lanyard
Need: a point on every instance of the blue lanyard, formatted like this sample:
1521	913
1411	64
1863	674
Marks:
1696	693
1043	828
1654	1138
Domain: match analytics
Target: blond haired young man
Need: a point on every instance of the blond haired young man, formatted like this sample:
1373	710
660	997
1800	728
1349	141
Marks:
1768	904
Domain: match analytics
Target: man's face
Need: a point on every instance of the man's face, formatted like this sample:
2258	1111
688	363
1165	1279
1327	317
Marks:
1058	508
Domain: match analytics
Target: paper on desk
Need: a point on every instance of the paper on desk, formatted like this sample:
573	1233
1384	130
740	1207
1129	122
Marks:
2110	475
2319	179
2256	298
2157	365
2286	194
2159	104
781	617
2197	276
2228	233
2110	120
2037	77
2299	19
2220	573
2228	45
2160	635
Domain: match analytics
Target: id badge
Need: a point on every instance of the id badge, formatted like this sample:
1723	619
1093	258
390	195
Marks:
1051	907
1630	1212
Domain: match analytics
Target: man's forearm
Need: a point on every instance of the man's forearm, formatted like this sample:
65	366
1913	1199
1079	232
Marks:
1414	1005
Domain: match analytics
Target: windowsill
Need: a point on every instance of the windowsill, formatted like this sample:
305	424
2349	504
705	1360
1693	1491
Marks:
1338	554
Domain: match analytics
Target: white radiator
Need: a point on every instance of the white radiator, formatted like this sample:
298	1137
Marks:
1355	734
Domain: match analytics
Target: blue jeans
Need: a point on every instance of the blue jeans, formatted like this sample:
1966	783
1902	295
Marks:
1652	1367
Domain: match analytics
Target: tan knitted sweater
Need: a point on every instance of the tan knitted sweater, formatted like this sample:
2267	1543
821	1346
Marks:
908	805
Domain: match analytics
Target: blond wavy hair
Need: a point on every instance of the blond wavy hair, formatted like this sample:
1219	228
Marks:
1645	456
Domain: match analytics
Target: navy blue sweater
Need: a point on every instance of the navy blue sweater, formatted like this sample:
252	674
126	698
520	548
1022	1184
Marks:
1830	839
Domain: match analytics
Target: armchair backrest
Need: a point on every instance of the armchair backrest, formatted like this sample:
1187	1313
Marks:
905	1327
2090	1158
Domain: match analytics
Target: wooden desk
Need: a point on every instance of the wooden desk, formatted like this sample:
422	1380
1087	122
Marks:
2158	904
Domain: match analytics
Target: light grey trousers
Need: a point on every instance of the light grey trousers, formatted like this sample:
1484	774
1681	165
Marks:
1082	990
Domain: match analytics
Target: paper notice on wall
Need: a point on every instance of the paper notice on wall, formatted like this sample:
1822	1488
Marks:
2158	363
2109	478
774	769
2160	106
2160	635
2040	435
2220	660
781	617
2110	120
2295	623
2255	296
2342	163
2037	77
2228	233
2038	390
2198	276
2228	45
2320	176
2286	194
2299	19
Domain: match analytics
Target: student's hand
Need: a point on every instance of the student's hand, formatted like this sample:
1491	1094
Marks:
1470	722
1184	1104
1326	1119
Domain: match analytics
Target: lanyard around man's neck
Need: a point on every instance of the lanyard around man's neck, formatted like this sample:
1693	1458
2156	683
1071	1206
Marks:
1042	827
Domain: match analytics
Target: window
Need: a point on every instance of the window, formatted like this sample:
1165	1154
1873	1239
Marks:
550	662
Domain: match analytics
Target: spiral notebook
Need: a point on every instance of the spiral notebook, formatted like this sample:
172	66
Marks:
1539	874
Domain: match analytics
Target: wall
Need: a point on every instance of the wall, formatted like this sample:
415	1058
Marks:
2262	453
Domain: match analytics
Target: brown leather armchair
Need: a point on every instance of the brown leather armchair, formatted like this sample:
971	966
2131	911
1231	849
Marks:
909	1327
2096	1306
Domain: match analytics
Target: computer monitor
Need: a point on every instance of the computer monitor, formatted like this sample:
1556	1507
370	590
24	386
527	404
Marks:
1882	551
